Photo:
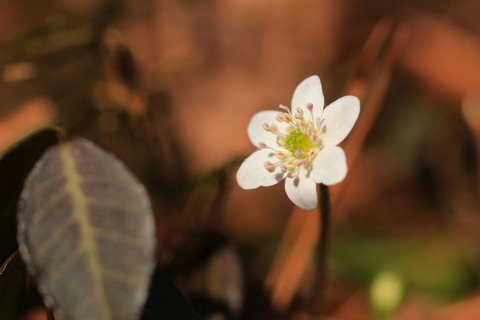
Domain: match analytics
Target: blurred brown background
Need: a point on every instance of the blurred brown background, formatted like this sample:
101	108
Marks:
170	85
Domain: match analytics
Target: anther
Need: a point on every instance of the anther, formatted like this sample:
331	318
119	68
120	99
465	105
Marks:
269	166
310	106
284	107
262	145
290	165
280	155
299	153
266	127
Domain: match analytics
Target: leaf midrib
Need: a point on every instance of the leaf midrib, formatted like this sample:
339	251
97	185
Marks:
81	215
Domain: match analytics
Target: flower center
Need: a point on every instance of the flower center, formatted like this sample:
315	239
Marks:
298	140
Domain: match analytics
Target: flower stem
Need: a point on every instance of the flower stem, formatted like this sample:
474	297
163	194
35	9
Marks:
324	211
50	315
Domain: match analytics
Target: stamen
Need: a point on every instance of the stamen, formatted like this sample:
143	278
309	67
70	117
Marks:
280	154
300	140
284	107
273	129
269	166
299	153
262	145
289	165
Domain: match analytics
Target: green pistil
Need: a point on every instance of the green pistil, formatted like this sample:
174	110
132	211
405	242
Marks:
298	140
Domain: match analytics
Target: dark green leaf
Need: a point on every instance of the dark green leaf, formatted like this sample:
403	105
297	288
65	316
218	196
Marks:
166	302
14	168
12	283
86	231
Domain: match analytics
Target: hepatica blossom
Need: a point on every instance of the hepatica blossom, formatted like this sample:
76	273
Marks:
299	144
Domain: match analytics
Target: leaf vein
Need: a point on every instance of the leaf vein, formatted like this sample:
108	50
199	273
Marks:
40	213
120	276
54	236
117	237
108	204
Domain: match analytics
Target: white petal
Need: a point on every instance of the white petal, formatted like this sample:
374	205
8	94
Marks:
339	118
255	130
329	166
309	91
302	191
252	173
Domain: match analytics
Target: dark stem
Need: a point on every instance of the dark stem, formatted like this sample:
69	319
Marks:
324	210
50	315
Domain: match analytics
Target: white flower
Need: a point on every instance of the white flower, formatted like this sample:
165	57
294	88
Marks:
300	147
